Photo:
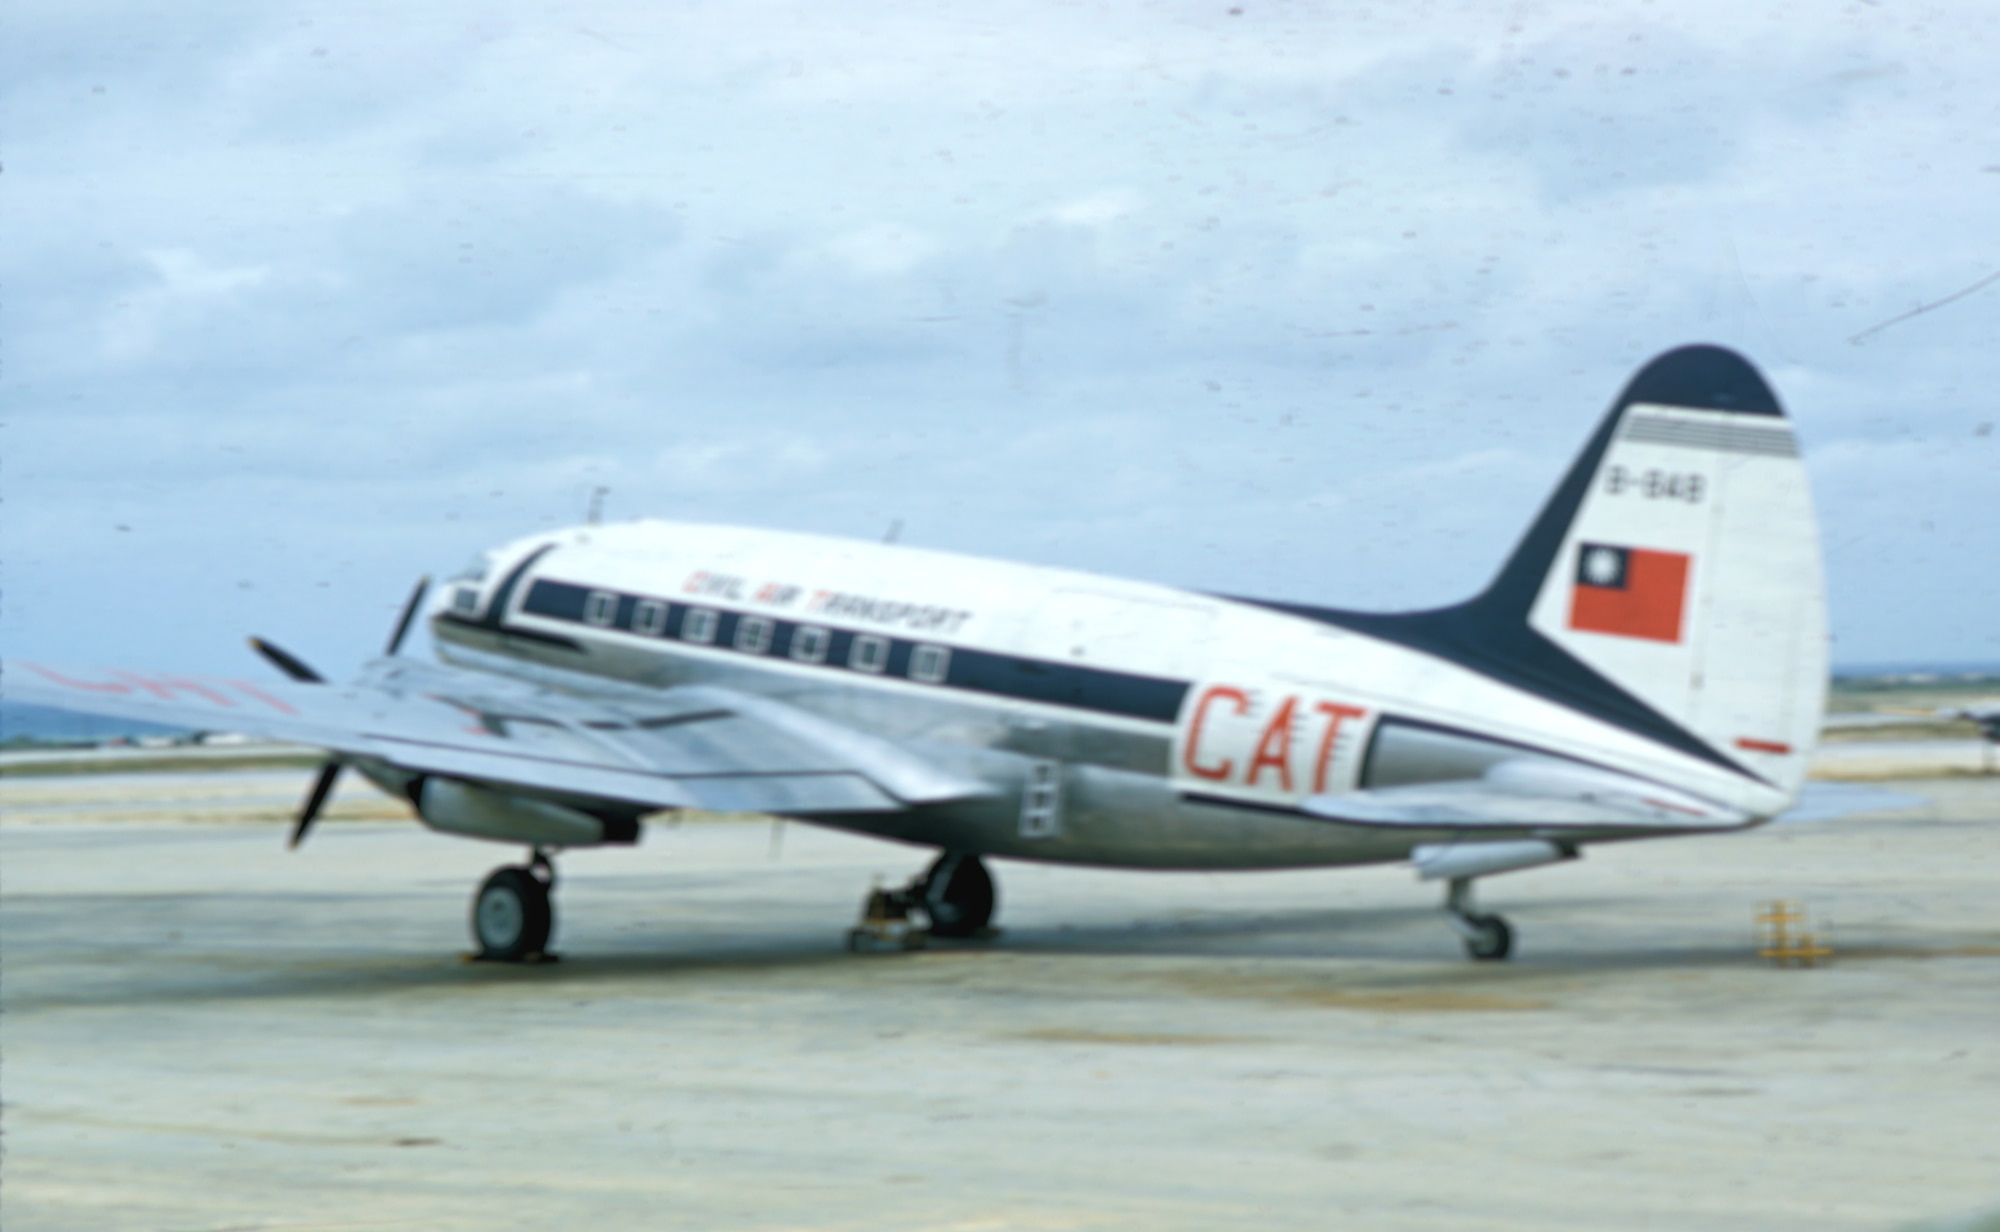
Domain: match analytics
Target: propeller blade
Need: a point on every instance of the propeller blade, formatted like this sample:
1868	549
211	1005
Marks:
321	788
409	614
286	662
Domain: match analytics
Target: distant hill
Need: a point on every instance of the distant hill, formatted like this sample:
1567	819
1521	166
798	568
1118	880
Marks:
25	724
1941	679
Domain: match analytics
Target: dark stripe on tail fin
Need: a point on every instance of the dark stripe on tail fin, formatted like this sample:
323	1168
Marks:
1703	378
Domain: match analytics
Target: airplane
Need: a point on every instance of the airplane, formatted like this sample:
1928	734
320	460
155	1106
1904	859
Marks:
1982	713
1651	661
1985	715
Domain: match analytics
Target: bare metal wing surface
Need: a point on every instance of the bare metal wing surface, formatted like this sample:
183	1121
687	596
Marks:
689	747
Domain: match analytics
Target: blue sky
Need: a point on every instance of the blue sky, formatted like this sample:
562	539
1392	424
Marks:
1308	301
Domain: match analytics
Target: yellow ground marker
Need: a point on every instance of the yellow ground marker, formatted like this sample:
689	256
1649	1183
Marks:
1782	937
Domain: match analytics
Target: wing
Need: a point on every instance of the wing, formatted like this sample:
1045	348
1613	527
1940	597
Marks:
1531	794
685	747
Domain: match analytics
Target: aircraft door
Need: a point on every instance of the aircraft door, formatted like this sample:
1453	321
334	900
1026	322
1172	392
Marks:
1041	800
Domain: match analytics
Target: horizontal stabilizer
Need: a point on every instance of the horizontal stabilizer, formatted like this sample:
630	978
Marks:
1826	801
1451	861
1526	793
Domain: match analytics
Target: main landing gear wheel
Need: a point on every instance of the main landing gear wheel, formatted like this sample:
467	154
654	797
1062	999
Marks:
511	915
1487	937
958	895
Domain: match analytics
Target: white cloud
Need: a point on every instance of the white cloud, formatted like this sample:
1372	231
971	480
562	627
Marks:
1152	289
1097	209
882	251
183	291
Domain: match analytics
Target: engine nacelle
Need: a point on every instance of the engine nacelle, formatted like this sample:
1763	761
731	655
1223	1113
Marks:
481	812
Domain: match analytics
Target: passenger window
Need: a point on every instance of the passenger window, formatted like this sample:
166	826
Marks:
753	635
698	626
809	644
869	654
929	664
601	608
649	617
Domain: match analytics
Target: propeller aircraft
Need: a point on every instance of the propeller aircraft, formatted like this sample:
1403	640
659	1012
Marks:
1649	662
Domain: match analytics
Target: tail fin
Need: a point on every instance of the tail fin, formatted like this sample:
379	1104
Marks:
1671	585
1679	560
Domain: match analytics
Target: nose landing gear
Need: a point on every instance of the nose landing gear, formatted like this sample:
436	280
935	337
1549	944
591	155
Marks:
511	914
1487	937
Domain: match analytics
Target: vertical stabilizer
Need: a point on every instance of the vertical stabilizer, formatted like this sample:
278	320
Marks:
1671	583
1680	561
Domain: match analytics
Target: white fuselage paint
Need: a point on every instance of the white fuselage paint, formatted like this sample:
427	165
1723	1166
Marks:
1275	707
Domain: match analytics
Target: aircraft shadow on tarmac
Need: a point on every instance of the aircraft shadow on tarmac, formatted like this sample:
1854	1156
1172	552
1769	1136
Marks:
1372	943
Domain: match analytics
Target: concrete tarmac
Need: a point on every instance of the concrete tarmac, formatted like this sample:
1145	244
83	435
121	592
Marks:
203	1031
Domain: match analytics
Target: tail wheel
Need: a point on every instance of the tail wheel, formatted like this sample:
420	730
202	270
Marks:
511	916
959	896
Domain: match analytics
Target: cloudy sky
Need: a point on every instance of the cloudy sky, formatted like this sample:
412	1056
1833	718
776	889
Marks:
300	301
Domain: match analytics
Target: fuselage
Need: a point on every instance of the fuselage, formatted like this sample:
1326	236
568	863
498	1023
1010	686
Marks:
1116	722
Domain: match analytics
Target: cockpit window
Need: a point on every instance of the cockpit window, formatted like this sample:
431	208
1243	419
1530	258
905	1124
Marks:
475	569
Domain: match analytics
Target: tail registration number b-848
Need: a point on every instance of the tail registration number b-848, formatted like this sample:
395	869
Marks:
1689	486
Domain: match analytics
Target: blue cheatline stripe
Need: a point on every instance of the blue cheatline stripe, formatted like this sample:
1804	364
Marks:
975	671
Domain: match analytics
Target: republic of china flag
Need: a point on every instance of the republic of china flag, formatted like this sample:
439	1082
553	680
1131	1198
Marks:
1629	592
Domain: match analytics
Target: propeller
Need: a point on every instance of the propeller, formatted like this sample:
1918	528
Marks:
286	662
416	601
296	668
322	788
